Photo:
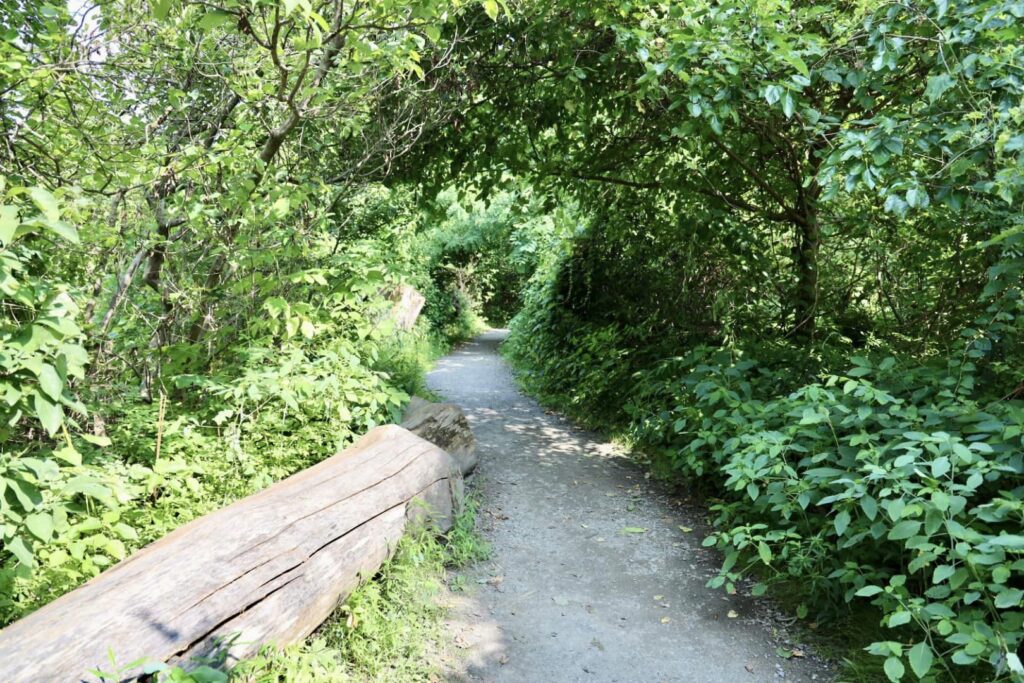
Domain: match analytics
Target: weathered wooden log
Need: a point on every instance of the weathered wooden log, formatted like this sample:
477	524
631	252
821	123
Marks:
407	307
266	569
444	425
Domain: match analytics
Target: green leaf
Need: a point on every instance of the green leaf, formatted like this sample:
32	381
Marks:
275	306
50	415
633	530
68	455
44	470
63	230
904	530
1011	541
1010	597
206	674
899	618
8	224
161	8
115	548
920	658
281	207
491	7
868	591
126	532
45	202
810	416
797	63
764	552
213	19
21	551
50	382
41	525
28	495
788	106
87	486
938	85
869	505
842	521
894	669
943	572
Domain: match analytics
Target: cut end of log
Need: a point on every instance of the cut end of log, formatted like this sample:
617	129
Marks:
446	426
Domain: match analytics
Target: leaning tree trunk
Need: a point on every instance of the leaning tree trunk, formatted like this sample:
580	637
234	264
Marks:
267	569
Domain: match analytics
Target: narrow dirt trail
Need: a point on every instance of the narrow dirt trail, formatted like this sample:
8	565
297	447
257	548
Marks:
573	592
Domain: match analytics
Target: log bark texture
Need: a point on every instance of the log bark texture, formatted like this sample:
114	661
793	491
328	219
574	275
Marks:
444	425
407	307
266	569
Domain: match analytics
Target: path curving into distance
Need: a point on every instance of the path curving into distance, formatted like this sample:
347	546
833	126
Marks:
573	592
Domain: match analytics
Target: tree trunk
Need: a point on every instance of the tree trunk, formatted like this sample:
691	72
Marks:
269	568
805	299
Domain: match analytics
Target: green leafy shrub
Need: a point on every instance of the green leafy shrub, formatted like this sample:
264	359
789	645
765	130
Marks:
318	369
52	492
883	483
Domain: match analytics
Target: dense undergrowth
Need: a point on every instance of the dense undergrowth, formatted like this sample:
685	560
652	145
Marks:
302	381
189	308
857	475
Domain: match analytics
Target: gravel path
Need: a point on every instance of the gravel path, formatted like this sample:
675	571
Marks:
574	590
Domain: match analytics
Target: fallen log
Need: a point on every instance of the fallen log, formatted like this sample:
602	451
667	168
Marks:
266	569
445	425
